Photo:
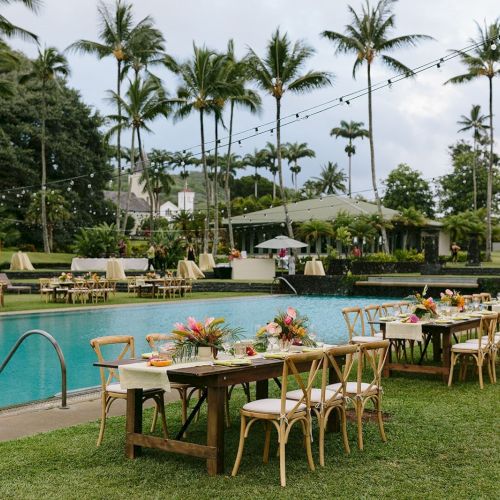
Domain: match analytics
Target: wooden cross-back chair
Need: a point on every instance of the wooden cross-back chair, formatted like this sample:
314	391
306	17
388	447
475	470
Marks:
390	308
481	350
485	296
283	413
110	382
372	313
404	306
46	291
355	322
372	355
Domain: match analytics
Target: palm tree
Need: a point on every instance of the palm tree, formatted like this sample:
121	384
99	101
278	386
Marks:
484	60
144	101
368	37
294	152
350	130
362	229
475	122
201	86
45	70
181	160
313	230
117	34
257	159
331	180
409	218
9	30
272	158
160	182
310	189
277	72
247	99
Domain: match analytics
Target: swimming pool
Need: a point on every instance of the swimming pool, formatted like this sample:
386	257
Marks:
34	371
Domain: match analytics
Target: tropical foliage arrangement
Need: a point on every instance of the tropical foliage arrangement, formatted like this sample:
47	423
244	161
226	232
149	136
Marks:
424	305
452	298
288	325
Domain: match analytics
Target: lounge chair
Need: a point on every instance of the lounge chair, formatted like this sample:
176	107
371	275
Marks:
9	287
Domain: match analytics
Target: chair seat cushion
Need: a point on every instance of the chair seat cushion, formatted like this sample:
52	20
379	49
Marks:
360	339
352	387
116	387
466	347
272	406
315	395
484	341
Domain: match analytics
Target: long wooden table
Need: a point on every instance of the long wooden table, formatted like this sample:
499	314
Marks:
441	336
214	380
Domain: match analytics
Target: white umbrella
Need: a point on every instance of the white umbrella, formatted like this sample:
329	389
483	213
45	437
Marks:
281	242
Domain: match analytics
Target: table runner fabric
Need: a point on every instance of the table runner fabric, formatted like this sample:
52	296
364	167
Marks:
79	264
404	331
141	376
189	270
495	308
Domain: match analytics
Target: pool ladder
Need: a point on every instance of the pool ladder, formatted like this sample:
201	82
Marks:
60	355
280	278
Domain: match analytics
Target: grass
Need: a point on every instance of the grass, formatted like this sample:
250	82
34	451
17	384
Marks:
39	258
27	302
442	443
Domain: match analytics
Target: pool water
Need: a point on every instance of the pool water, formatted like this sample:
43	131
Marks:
33	373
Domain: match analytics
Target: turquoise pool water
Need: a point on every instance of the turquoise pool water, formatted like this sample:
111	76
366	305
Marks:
34	371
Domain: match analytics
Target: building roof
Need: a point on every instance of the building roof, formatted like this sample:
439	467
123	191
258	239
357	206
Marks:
135	205
168	205
324	208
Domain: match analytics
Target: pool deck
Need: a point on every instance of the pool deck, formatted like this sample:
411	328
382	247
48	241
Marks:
33	419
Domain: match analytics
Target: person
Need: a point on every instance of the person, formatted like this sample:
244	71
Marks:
454	252
122	249
161	258
291	264
150	254
190	253
356	252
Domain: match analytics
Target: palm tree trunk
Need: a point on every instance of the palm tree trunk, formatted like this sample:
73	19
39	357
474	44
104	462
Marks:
280	169
474	169
215	186
207	183
255	187
489	189
45	234
274	185
118	145
350	161
129	190
372	160
227	190
148	185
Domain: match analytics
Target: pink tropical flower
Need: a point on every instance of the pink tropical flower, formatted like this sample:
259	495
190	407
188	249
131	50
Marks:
180	327
442	295
208	321
414	318
287	320
448	292
291	312
273	328
191	322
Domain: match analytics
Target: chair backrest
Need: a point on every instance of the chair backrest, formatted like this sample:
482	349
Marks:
404	306
487	327
153	338
43	282
4	279
372	313
127	341
372	355
390	308
485	296
330	360
355	322
291	361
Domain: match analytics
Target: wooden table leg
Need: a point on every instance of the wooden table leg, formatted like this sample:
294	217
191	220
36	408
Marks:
215	428
446	355
436	347
333	424
262	389
134	421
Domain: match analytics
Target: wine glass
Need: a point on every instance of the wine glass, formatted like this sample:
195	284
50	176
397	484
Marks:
226	347
272	343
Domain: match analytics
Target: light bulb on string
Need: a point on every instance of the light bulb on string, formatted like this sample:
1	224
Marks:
91	175
89	186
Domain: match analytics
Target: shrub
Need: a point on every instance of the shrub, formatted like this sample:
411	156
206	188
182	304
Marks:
379	257
27	247
97	241
409	256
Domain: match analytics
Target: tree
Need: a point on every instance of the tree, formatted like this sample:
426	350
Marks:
463	225
362	229
310	189
117	34
368	37
405	188
56	211
343	237
181	159
272	159
483	60
313	230
278	72
351	131
49	66
409	218
144	101
331	180
475	122
160	182
9	29
256	160
454	189
245	98
294	152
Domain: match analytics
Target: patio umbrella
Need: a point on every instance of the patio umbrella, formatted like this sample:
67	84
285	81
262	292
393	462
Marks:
281	242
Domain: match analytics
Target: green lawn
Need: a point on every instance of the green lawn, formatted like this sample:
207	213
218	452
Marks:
442	443
39	258
26	302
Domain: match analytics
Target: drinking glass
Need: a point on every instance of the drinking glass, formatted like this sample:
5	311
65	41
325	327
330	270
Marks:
240	350
272	343
498	296
226	346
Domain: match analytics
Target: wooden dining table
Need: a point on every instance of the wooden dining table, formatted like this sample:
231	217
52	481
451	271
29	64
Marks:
213	381
441	335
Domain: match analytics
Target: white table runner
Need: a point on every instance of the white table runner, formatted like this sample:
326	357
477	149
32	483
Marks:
495	308
403	331
141	376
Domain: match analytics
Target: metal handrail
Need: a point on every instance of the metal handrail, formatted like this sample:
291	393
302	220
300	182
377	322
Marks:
278	278
60	355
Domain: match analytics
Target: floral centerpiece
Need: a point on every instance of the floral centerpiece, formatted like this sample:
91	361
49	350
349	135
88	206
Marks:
196	337
234	254
151	275
65	277
453	298
424	305
289	328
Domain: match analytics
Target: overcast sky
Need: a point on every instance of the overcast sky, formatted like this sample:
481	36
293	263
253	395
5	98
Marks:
414	122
